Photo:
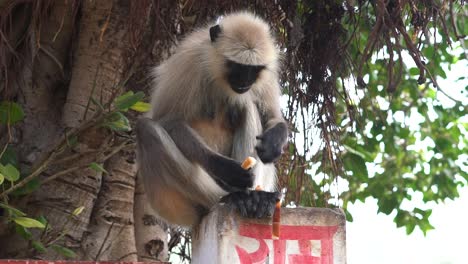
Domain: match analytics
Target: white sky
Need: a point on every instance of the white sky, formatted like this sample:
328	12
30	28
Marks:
374	239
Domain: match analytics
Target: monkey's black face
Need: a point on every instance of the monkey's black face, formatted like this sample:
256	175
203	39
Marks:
242	76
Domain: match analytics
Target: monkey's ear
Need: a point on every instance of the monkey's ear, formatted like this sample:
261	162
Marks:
214	32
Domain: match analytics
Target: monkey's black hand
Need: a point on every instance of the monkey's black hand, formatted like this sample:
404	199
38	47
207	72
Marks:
252	204
271	143
229	173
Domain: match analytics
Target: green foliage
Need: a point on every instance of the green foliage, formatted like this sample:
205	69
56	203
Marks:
66	252
117	122
11	210
10	113
97	167
9	172
37	245
78	211
128	100
414	138
399	132
141	107
28	222
13	183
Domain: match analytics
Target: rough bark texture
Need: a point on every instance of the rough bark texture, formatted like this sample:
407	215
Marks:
110	235
42	87
83	49
150	233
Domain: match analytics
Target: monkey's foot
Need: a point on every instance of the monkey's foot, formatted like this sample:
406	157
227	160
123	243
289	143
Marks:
252	204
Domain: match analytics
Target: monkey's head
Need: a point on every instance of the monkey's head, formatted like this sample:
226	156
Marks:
243	52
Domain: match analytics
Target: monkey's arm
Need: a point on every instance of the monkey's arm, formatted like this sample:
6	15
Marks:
274	136
227	172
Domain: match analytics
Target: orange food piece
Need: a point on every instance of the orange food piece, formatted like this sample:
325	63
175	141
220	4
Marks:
248	163
275	233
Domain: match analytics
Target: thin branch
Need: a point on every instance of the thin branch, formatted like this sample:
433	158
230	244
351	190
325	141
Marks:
61	173
44	163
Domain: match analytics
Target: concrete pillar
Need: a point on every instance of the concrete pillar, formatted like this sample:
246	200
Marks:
307	235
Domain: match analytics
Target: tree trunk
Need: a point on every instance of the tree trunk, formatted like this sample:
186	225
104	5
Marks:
81	50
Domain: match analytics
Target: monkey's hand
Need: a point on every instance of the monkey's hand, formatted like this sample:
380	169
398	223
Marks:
229	173
252	204
272	142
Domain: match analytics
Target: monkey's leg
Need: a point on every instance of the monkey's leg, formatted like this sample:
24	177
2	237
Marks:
252	204
179	190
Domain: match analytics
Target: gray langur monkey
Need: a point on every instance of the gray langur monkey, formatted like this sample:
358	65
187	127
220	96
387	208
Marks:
215	102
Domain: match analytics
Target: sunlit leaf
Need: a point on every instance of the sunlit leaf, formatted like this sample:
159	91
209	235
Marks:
414	71
410	228
127	100
78	211
97	167
117	122
141	107
28	222
9	172
13	211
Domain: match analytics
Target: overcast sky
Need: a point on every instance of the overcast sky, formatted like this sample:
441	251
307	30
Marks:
374	239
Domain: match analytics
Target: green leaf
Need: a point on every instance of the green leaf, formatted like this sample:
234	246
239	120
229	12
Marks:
360	151
349	216
23	232
9	156
66	252
10	113
42	219
117	122
97	167
37	245
72	141
127	100
387	204
429	52
141	107
414	71
28	222
443	143
9	172
2	178
78	211
13	211
356	164
28	188
410	227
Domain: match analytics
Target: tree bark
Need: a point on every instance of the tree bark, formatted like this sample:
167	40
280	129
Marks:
150	231
73	59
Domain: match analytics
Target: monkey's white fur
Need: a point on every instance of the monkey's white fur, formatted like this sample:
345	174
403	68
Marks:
194	78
